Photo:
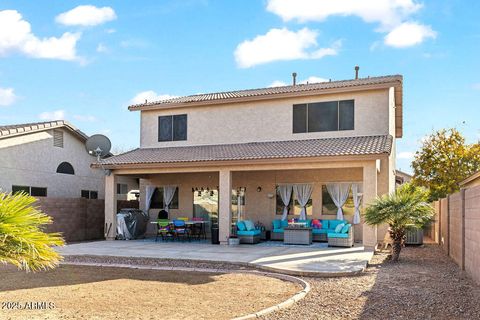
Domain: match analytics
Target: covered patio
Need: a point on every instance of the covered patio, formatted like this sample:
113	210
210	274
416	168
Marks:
207	181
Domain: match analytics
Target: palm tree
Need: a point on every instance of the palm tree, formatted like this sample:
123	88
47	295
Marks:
22	240
405	208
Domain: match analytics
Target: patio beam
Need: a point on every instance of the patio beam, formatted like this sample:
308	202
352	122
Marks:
369	194
225	208
110	228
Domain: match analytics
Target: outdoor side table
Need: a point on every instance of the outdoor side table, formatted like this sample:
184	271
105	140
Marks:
292	235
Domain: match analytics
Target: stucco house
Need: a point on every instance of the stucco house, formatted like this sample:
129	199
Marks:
225	155
49	159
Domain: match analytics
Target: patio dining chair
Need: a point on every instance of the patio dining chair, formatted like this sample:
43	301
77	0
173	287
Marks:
180	230
163	229
198	230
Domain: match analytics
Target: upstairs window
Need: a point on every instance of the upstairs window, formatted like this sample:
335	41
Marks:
323	116
172	128
58	138
65	168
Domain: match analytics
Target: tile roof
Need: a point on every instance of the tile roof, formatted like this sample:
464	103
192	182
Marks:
345	146
263	92
7	131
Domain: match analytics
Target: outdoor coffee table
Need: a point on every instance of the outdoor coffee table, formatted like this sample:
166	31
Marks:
296	235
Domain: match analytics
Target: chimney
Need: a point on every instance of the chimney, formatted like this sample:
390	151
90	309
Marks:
294	76
356	72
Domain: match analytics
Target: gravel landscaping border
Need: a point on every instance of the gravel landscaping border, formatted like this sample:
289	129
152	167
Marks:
282	305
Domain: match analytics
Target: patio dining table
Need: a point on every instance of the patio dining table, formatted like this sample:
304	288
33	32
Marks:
190	224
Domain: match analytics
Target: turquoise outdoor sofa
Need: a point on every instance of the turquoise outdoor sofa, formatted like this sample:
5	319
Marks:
247	232
328	226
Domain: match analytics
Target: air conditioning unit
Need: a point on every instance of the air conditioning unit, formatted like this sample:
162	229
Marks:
414	236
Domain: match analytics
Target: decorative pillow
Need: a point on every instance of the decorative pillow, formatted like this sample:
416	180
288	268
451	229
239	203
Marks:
316	224
249	225
284	223
325	224
339	228
277	224
346	228
241	226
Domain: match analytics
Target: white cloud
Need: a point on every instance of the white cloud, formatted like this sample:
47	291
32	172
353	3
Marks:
281	45
101	48
409	34
85	118
16	36
52	115
313	79
7	96
405	155
392	16
149	96
86	16
277	83
387	13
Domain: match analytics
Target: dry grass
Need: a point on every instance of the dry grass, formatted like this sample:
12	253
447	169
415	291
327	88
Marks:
81	292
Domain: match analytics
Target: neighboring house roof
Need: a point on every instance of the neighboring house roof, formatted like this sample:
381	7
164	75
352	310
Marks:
345	146
402	177
395	81
8	131
473	177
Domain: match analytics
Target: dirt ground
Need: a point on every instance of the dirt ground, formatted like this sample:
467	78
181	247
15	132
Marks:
425	284
82	292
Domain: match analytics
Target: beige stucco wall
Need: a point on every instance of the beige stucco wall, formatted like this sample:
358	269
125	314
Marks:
258	206
32	160
268	120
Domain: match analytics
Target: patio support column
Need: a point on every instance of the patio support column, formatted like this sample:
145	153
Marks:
369	194
110	207
225	208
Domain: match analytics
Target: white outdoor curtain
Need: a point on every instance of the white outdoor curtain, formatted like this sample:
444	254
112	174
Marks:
357	200
303	192
339	194
149	190
285	192
168	193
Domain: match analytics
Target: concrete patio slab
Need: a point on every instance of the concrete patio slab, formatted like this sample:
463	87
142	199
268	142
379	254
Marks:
294	260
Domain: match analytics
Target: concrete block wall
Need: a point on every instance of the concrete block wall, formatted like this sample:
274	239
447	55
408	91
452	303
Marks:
459	233
78	219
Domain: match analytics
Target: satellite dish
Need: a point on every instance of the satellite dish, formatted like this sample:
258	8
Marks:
98	145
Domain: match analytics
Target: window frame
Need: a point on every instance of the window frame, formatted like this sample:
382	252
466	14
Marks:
173	205
30	190
65	167
300	106
174	121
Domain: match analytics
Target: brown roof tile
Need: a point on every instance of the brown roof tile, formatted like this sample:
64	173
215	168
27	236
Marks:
7	131
242	94
346	146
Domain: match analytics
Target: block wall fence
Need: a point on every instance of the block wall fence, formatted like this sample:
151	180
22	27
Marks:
78	219
457	229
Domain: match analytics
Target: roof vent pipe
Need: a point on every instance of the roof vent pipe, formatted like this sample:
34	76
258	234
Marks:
356	72
294	76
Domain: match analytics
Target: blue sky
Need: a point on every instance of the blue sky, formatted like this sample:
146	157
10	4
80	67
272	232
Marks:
86	61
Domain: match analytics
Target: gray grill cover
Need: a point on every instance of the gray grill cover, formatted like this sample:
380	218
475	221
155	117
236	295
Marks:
131	224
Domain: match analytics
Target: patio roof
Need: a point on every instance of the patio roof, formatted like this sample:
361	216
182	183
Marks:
327	147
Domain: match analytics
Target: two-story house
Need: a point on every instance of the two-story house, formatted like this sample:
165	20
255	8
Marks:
226	155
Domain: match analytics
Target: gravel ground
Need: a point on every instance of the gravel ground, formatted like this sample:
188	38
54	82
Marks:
425	284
